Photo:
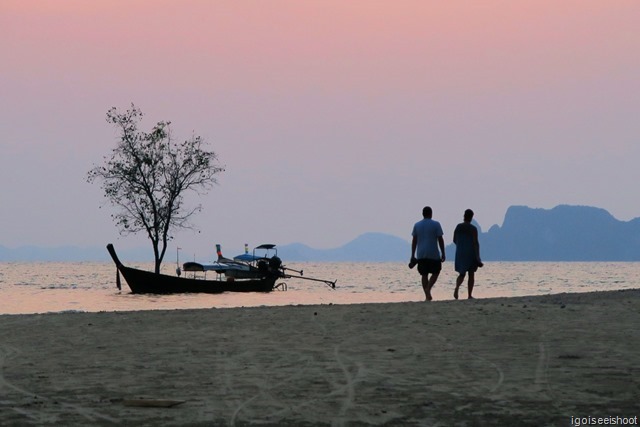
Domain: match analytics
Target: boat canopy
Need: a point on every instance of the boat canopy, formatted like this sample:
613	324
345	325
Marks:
247	258
218	267
266	246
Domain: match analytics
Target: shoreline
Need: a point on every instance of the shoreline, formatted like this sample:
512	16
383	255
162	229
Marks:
82	289
527	360
124	302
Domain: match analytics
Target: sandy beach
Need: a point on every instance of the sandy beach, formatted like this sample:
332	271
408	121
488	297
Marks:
545	360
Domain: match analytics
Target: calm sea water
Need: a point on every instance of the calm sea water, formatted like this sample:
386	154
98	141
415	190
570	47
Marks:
58	287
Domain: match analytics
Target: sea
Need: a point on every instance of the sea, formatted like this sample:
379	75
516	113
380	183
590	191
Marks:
54	287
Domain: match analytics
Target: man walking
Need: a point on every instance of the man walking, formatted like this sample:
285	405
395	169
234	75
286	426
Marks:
427	237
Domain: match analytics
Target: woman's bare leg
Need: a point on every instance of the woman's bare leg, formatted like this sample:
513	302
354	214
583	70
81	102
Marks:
459	281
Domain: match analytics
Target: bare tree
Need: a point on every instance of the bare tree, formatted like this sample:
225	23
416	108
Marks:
147	176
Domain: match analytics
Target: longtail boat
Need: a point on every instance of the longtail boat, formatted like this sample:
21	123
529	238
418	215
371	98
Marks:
245	273
147	282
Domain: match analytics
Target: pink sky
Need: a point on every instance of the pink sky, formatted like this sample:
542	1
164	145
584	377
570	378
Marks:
333	118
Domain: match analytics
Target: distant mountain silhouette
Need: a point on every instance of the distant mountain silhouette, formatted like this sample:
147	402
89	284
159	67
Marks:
564	233
373	247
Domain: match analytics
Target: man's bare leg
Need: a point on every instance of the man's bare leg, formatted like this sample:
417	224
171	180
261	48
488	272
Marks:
426	287
430	283
472	281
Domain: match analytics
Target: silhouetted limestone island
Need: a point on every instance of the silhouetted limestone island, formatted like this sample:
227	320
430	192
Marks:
564	233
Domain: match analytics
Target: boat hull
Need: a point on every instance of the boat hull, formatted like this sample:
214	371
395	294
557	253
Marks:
147	282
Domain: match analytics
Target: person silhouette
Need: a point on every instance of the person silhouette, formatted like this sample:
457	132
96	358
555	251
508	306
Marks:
467	260
427	237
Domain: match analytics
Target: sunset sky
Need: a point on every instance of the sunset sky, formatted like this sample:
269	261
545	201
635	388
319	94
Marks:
333	118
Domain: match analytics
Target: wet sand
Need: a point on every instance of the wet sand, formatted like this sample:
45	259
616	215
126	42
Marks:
503	361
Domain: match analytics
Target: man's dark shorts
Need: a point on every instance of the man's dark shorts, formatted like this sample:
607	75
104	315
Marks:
429	266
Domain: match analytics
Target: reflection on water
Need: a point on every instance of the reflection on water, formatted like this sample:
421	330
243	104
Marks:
55	287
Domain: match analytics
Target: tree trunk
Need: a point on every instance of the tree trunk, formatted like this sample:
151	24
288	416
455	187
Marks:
156	256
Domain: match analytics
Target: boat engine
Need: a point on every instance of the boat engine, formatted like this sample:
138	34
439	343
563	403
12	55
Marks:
275	263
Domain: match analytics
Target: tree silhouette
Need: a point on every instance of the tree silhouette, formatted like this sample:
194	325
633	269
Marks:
147	175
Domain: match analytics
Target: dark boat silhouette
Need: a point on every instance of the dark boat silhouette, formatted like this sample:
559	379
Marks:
147	282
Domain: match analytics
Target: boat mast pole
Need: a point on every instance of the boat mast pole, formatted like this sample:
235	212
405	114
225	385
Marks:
178	261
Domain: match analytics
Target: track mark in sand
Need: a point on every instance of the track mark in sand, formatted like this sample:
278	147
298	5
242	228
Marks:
349	387
498	370
343	390
6	352
541	380
494	365
350	381
265	390
541	368
35	415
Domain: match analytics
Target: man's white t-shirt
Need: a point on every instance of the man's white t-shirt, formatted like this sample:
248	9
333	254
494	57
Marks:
427	231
